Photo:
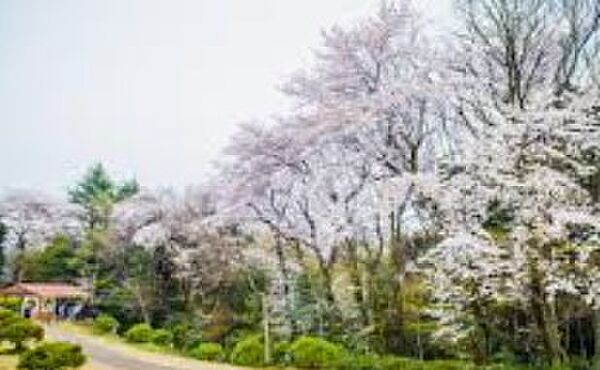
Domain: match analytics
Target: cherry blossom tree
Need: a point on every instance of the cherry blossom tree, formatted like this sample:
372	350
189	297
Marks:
33	219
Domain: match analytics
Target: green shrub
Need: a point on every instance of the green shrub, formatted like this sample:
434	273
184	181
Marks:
52	356
236	336
281	353
249	352
185	336
312	352
579	363
18	331
7	316
395	363
208	352
139	333
162	337
105	324
358	362
373	362
11	303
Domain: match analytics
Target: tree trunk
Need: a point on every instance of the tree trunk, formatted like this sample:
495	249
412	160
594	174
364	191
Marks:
552	334
285	276
596	318
355	276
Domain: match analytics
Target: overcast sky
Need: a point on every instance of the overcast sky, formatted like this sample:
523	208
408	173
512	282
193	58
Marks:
152	88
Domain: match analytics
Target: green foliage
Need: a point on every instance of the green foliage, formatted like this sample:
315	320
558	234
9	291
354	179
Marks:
311	313
58	261
97	193
105	324
52	356
145	276
358	362
239	308
18	331
140	333
374	362
281	352
117	302
499	218
11	303
249	352
7	316
208	352
162	337
312	352
118	297
440	365
185	336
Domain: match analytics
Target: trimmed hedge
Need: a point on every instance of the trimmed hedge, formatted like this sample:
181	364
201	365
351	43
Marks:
52	356
11	303
162	337
105	324
249	352
18	331
7	315
185	336
281	353
139	333
315	353
208	352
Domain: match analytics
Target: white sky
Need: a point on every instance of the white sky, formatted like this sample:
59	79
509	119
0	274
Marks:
152	88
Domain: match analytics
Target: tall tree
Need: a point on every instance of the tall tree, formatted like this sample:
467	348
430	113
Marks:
32	220
97	193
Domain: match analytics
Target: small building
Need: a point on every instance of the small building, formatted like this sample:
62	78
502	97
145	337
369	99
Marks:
48	300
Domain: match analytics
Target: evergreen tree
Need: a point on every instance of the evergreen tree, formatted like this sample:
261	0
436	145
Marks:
97	193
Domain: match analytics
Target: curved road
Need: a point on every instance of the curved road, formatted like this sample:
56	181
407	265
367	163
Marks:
106	355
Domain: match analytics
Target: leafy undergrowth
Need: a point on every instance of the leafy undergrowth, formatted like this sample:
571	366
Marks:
347	363
9	362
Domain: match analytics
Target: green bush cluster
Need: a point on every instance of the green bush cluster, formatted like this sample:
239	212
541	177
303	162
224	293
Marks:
208	352
185	336
11	303
52	356
373	362
17	330
305	352
162	337
7	316
105	324
315	353
249	352
139	333
143	333
281	353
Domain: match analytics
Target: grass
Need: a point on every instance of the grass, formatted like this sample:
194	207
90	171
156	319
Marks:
8	362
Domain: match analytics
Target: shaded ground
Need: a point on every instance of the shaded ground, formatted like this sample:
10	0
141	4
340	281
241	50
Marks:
106	355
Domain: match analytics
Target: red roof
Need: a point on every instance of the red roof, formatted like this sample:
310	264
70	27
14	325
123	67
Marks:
45	290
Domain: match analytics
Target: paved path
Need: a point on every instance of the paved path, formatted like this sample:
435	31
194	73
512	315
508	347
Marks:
106	355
